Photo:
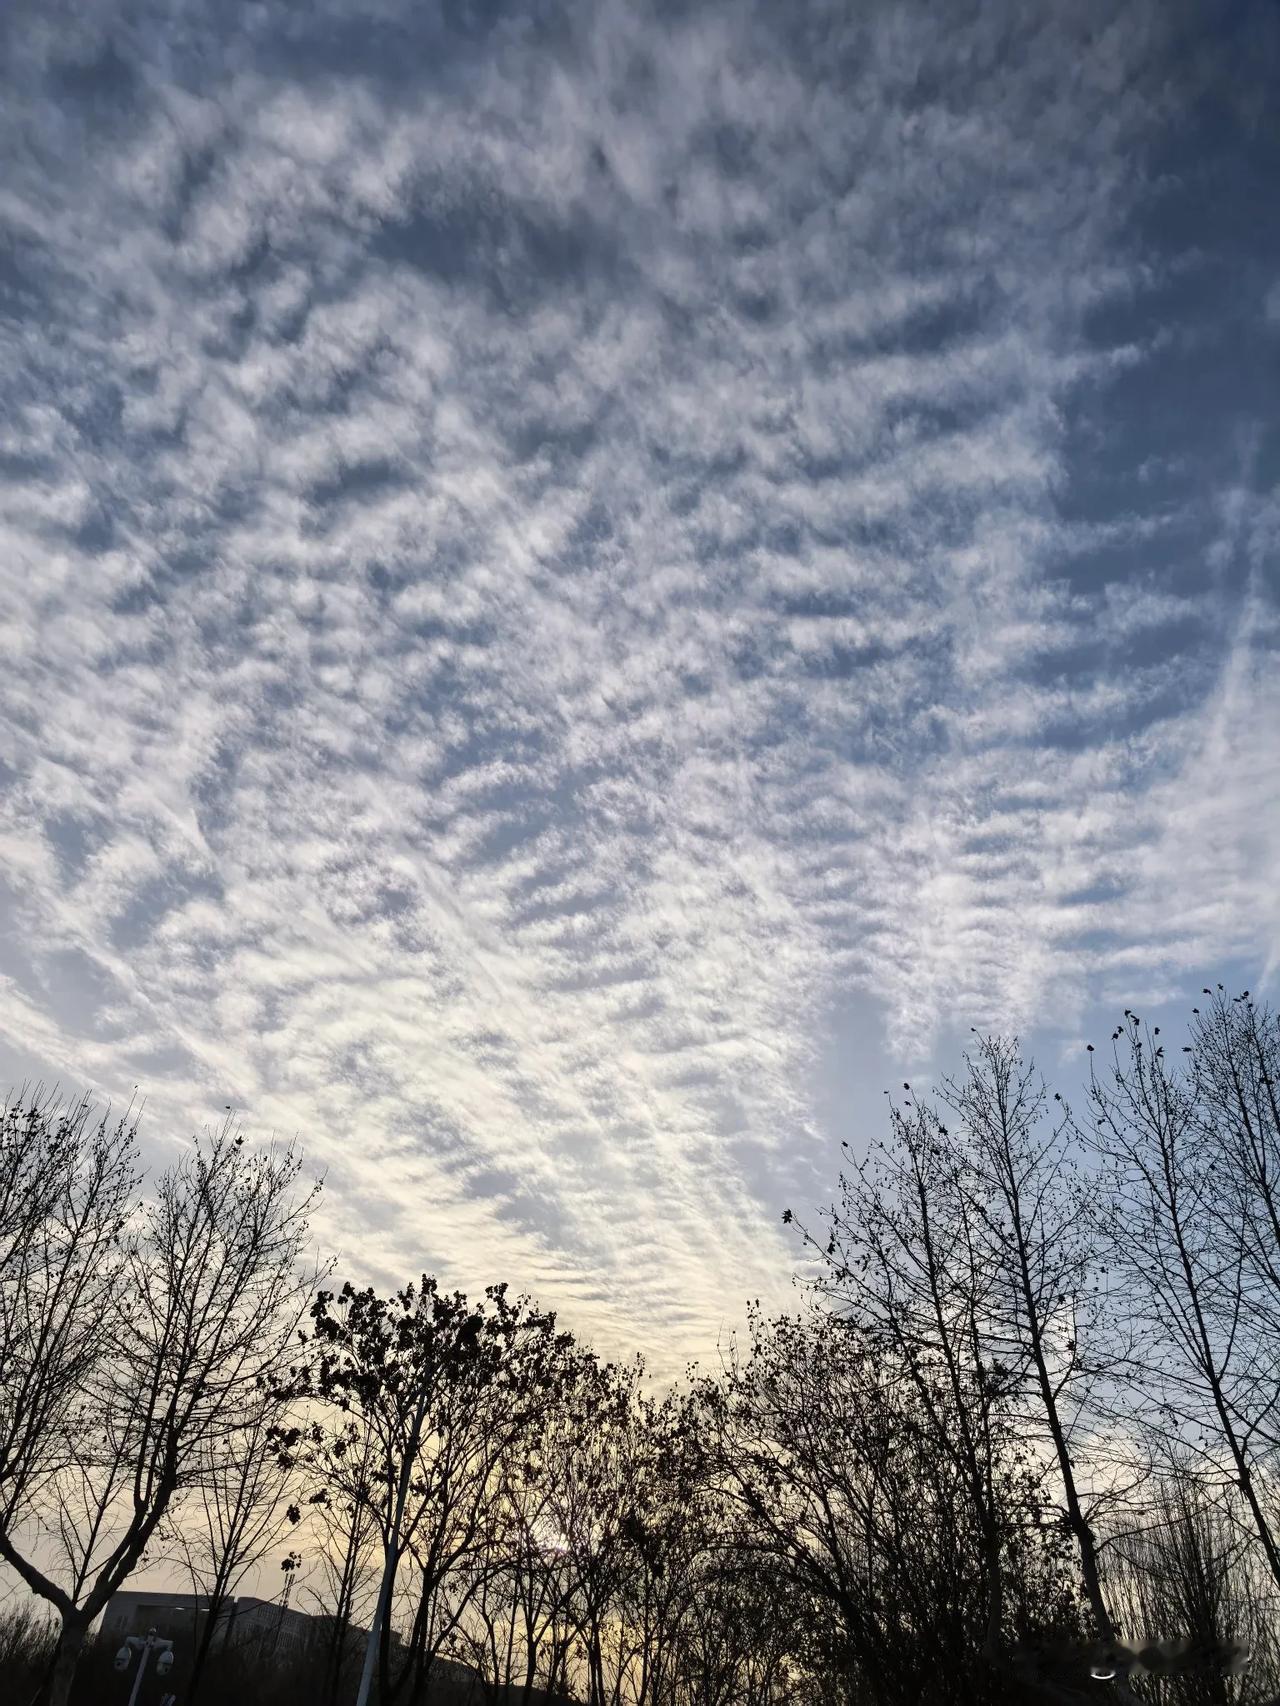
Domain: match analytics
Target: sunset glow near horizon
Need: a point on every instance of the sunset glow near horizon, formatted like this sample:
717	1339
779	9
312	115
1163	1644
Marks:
584	588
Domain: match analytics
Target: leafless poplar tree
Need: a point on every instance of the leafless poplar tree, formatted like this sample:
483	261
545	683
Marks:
1187	1234
903	1258
1036	1241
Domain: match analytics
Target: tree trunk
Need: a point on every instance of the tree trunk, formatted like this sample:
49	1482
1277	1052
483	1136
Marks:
335	1659
530	1671
75	1627
214	1607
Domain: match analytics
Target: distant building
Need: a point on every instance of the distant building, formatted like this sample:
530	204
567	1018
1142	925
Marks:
182	1618
279	1631
179	1616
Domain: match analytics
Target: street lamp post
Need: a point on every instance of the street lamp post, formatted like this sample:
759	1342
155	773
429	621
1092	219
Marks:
146	1645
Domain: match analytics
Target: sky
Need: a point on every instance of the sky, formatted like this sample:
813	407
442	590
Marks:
585	587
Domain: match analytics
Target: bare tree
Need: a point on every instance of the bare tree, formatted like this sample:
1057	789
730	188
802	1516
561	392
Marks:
516	1620
637	1540
67	1184
1183	1231
833	1461
236	1513
1182	1567
1036	1240
602	1461
207	1298
338	1499
903	1257
1235	1076
736	1635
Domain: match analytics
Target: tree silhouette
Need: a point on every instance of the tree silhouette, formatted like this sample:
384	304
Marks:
205	1293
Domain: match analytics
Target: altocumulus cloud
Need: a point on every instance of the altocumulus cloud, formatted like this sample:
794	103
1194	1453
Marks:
543	546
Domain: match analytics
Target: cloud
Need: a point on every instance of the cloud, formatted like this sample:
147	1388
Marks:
538	555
